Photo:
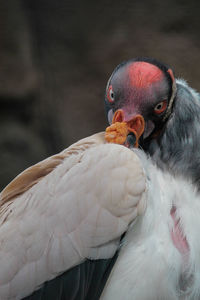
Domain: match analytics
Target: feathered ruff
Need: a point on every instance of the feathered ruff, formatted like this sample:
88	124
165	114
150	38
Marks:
176	149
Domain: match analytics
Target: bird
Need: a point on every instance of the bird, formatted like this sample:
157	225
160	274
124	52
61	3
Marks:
109	217
99	221
62	220
163	114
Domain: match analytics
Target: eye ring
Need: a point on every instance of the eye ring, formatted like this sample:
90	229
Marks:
110	94
160	107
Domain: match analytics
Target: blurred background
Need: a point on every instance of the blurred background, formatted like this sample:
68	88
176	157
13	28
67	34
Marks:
57	55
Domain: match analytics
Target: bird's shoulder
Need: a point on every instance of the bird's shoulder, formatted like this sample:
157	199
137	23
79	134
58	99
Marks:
35	173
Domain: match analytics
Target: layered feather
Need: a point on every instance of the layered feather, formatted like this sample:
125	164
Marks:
73	206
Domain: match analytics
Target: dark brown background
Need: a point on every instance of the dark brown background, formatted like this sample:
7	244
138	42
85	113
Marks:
55	59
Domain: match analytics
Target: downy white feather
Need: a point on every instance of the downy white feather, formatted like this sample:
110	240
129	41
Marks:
150	267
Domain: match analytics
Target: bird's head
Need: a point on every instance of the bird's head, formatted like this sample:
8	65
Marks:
140	92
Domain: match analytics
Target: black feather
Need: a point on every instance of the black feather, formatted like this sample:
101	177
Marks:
83	282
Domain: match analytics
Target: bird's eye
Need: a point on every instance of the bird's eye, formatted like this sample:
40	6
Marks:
160	107
110	94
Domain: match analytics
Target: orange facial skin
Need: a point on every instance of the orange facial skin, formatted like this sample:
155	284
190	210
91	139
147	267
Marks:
118	131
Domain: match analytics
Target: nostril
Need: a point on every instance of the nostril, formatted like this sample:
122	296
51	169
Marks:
118	116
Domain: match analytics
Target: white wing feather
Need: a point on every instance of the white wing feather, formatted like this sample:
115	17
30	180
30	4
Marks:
78	210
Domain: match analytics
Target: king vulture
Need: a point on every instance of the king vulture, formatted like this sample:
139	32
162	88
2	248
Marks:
102	220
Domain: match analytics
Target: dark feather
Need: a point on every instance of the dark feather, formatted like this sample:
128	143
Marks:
83	282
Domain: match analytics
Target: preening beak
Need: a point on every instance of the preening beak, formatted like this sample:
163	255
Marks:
136	124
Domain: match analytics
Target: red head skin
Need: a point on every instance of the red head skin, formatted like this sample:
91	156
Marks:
143	74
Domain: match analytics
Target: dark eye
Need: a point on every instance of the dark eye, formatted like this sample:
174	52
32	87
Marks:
160	107
110	94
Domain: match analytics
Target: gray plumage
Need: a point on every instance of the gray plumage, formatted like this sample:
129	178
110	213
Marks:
178	147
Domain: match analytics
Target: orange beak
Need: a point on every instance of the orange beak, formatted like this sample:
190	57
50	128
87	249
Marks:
135	125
